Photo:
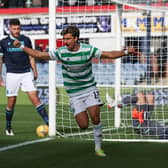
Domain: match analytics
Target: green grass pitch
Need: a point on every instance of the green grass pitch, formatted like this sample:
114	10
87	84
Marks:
68	152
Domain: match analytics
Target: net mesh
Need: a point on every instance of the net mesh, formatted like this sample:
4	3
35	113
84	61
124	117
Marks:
144	72
150	5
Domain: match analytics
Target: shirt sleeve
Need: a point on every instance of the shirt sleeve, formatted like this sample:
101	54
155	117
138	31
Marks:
54	55
96	53
29	43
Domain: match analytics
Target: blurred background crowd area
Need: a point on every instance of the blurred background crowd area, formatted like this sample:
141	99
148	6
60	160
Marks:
44	3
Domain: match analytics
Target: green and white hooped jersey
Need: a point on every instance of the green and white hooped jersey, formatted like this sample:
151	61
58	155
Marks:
77	68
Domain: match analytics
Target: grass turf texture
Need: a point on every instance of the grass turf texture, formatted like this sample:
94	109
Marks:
75	153
69	152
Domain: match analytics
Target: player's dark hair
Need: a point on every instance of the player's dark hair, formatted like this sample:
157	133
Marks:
14	22
71	30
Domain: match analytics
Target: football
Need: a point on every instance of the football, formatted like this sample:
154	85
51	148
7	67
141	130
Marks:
42	131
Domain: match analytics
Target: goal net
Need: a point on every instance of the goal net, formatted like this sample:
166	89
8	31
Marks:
114	25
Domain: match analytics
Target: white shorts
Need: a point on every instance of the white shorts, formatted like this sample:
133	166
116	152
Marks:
16	80
81	103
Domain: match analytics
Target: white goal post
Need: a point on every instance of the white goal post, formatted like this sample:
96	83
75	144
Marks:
52	68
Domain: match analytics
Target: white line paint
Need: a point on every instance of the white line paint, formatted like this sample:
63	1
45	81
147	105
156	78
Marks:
24	144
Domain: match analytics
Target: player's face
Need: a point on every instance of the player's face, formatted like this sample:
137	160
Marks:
15	30
71	42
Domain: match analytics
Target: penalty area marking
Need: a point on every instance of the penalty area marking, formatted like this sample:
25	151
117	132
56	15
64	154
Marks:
5	148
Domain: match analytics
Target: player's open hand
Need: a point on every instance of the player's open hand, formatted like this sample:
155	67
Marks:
16	43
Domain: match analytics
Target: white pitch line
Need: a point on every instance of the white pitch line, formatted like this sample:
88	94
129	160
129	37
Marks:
24	144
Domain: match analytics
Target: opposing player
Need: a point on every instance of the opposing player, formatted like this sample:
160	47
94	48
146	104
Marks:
78	78
18	65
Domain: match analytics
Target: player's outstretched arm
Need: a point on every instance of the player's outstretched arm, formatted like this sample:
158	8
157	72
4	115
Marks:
117	54
33	66
32	52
